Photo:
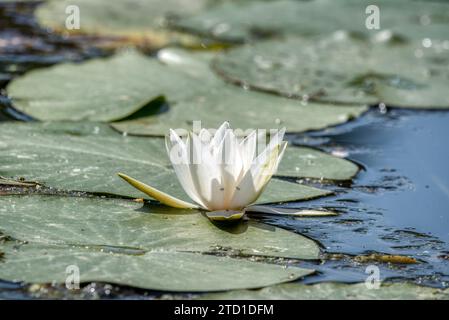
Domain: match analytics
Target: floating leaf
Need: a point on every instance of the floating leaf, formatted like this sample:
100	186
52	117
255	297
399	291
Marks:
130	16
153	270
242	21
92	154
120	241
98	90
116	223
342	69
310	163
335	291
139	21
129	85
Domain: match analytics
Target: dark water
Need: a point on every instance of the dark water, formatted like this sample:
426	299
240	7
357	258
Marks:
398	204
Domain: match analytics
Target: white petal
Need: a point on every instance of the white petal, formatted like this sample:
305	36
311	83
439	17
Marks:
248	148
276	138
177	152
176	148
244	194
205	136
229	156
219	135
266	154
217	200
255	180
204	170
220	172
230	164
262	172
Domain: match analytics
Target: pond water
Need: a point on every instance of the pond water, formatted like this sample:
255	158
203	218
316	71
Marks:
398	204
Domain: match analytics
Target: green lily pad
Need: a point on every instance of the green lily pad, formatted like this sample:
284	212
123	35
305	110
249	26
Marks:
116	224
335	291
97	90
343	69
129	16
242	21
87	156
121	241
131	85
138	21
163	271
309	163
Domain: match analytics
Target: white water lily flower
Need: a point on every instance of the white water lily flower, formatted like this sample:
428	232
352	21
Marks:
219	171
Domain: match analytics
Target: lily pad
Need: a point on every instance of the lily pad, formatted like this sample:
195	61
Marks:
152	270
120	241
138	20
97	90
243	21
131	85
310	163
119	224
130	16
335	291
342	69
87	157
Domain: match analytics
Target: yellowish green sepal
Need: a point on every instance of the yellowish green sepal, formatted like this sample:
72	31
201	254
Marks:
162	197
